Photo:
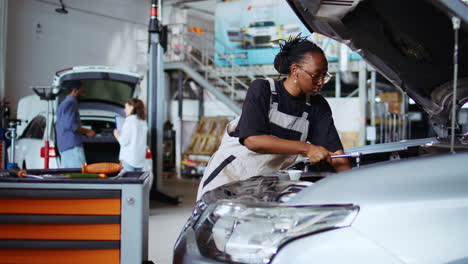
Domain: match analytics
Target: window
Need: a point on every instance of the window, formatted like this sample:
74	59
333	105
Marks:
114	91
262	24
36	128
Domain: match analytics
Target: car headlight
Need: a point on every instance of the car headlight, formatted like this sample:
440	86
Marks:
252	232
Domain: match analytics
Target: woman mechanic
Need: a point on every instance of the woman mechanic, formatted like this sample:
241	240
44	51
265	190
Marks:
280	119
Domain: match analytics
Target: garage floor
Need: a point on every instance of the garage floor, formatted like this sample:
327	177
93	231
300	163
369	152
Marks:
166	221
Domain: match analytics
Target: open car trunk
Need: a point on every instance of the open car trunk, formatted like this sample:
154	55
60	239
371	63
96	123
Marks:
104	147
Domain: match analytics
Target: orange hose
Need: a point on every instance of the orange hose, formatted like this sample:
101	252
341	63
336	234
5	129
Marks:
20	173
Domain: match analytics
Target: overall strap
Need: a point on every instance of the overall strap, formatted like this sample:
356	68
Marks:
272	85
306	114
299	124
231	127
274	94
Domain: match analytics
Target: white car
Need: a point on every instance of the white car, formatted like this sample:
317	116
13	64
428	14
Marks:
107	89
262	33
406	202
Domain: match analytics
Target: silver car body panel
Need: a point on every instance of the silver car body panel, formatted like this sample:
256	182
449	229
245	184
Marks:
413	209
393	146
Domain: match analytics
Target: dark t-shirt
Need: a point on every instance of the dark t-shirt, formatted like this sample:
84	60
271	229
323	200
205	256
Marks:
254	119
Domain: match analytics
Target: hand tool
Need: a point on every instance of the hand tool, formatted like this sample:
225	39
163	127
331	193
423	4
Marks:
347	155
77	175
91	171
84	175
7	174
356	155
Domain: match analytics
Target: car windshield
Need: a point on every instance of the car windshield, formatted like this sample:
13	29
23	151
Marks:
262	24
109	91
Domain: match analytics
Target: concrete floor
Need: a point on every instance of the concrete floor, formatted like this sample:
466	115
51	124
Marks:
166	221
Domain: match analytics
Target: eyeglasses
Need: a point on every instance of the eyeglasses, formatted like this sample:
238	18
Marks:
325	78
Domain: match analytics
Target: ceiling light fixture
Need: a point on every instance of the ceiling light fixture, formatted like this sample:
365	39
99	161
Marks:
62	9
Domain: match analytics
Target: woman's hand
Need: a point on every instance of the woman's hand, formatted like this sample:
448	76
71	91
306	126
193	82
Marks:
116	134
318	153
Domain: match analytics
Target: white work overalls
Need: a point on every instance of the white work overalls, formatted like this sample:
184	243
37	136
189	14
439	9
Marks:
234	162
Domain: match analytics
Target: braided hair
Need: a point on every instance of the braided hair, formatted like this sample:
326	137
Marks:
293	51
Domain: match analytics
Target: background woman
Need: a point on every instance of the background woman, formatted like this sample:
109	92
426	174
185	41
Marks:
132	136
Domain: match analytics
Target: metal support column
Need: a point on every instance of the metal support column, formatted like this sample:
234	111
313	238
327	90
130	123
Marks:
156	102
372	104
404	117
343	68
338	85
180	121
3	42
201	102
180	94
362	101
456	27
3	50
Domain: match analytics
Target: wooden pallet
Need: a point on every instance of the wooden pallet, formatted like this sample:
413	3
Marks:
169	175
207	136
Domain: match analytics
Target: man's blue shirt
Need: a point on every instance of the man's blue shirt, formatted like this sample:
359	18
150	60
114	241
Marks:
68	121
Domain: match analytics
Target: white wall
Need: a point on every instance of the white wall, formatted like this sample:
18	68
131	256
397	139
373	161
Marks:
347	118
94	32
345	113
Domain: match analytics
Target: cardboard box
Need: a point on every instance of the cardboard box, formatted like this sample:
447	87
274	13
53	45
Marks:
391	97
349	139
394	107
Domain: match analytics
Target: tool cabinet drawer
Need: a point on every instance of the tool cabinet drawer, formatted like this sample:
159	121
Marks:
70	220
59	256
60	226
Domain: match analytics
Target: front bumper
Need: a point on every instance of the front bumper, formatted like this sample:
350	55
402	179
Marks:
337	246
186	250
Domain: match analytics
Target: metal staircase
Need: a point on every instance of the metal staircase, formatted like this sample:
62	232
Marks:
195	55
219	93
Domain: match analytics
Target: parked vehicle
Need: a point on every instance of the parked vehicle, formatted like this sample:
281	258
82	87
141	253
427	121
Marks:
107	89
403	202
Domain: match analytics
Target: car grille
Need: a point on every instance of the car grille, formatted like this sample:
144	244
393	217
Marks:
262	39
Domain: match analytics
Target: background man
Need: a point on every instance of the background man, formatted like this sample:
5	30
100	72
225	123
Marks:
68	128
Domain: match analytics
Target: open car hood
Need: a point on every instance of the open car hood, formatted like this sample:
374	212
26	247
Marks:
411	43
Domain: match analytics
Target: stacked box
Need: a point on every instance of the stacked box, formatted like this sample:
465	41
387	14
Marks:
393	99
